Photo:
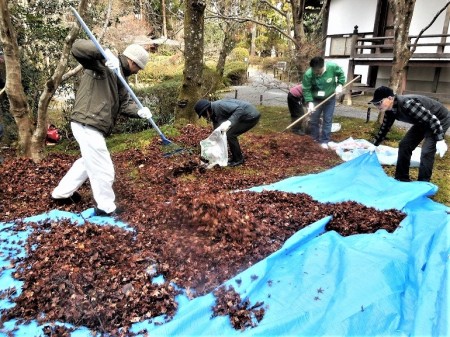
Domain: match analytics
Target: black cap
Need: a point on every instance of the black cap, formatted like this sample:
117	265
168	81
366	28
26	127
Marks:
201	106
381	93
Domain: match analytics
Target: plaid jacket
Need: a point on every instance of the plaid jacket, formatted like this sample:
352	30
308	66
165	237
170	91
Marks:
415	109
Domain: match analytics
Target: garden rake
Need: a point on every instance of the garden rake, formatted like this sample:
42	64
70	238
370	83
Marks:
170	147
325	100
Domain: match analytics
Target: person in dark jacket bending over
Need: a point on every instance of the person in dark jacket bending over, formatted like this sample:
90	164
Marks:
99	100
232	116
430	120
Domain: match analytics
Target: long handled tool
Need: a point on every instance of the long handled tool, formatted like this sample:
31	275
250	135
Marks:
174	148
318	105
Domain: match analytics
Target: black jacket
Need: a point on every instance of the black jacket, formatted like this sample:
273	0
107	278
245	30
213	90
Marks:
233	110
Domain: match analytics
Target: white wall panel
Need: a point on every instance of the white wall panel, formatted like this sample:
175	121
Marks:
345	14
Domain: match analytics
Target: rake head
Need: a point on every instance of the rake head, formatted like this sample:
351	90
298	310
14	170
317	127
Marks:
171	148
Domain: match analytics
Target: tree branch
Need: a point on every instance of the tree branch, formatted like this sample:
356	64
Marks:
71	72
414	46
242	20
78	68
273	7
105	25
322	10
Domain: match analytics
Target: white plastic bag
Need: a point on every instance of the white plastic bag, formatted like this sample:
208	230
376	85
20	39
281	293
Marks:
214	149
352	148
335	127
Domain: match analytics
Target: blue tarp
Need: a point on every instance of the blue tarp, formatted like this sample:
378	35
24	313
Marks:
319	283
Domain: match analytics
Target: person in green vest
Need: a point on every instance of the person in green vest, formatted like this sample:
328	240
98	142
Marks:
320	81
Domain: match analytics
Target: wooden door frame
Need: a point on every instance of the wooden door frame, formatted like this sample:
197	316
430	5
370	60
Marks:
379	28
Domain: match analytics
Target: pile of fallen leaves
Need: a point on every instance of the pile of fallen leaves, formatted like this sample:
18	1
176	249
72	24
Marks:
195	227
89	276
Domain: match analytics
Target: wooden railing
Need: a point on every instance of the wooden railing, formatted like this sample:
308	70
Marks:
381	46
431	51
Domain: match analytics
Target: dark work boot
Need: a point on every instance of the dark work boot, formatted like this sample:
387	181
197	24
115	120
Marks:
236	163
230	160
404	179
298	132
75	198
100	212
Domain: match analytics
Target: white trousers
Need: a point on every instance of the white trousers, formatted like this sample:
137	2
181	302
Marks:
95	163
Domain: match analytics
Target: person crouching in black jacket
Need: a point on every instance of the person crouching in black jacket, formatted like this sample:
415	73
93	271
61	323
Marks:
232	116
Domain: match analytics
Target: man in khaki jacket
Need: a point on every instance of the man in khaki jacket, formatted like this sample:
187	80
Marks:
100	98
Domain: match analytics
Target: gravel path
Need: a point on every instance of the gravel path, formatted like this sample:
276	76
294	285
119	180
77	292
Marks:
263	89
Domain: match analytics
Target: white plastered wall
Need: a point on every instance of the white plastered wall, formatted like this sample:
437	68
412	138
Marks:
344	16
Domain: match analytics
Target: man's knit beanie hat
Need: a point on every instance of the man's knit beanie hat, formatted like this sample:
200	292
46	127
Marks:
137	54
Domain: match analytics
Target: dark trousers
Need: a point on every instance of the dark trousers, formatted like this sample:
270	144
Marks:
410	141
232	137
296	109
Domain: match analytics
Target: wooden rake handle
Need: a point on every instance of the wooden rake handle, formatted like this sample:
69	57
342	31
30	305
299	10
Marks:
318	105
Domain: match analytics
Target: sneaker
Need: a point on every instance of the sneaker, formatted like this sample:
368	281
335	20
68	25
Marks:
332	145
324	146
100	212
75	198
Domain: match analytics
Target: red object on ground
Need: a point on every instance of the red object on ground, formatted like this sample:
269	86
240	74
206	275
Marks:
53	135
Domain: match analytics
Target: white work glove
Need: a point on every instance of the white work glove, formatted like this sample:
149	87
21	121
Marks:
372	148
338	89
441	148
112	62
225	126
310	107
145	113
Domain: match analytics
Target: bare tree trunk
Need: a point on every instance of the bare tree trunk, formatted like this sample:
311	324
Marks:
227	46
301	58
403	12
19	107
253	39
193	55
31	133
164	21
229	28
39	135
